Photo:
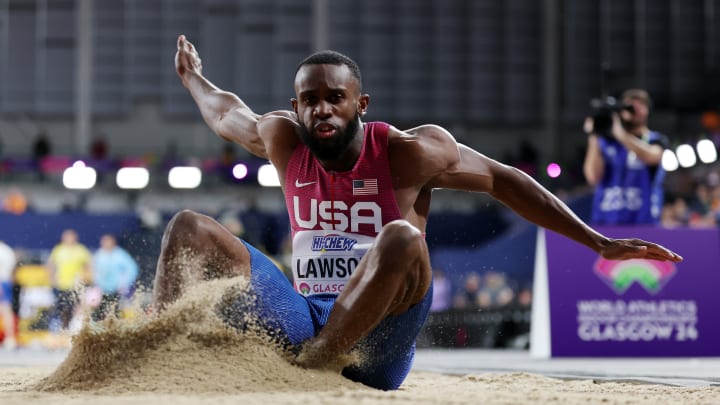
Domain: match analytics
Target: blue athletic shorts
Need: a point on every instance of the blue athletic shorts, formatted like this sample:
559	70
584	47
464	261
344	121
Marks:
389	349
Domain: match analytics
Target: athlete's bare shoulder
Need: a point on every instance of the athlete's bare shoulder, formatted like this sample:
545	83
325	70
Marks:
282	120
278	131
281	114
430	149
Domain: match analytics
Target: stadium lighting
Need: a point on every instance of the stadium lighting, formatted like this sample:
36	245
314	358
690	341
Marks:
554	170
240	171
79	176
669	161
184	177
706	151
267	176
686	155
132	178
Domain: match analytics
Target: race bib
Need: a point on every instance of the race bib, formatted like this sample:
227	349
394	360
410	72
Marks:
323	261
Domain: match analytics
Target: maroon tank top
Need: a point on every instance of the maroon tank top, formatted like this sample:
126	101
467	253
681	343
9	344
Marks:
335	216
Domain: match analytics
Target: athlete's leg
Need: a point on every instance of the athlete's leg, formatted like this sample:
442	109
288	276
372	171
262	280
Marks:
195	247
392	276
275	304
387	353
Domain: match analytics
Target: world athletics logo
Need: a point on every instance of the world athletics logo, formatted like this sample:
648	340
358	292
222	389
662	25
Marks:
619	275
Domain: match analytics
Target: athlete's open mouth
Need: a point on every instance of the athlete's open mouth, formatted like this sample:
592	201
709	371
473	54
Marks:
325	130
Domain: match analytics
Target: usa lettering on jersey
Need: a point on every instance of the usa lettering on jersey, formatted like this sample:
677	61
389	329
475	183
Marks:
335	215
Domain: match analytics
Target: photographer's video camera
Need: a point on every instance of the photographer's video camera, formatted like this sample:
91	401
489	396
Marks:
603	109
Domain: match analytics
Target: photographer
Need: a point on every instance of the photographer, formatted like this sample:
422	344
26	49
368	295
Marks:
623	161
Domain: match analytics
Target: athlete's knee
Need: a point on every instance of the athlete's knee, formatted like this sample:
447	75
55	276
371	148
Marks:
185	220
400	250
402	253
400	239
184	228
180	248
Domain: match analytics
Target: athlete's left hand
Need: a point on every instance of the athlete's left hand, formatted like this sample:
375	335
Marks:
623	249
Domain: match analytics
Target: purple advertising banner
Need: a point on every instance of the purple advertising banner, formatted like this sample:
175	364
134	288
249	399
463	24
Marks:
635	308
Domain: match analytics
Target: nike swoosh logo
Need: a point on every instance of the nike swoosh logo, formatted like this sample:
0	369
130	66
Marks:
301	185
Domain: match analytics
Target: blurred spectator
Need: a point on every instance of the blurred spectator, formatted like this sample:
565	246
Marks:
231	221
713	178
495	292
7	316
260	229
41	146
40	150
697	213
524	297
699	207
33	296
99	147
702	200
528	158
442	292
228	159
150	218
99	153
114	273
171	155
69	267
675	213
710	121
715	202
15	202
467	298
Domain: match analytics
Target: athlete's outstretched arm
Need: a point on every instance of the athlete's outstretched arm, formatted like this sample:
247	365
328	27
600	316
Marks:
224	112
473	171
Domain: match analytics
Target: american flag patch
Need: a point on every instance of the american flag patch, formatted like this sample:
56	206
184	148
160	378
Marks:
365	187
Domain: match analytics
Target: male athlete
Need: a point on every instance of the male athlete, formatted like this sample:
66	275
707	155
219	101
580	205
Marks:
358	195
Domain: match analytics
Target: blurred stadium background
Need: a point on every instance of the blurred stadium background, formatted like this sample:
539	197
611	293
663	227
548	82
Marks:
512	79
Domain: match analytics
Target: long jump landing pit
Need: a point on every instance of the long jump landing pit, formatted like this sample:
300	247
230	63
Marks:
187	355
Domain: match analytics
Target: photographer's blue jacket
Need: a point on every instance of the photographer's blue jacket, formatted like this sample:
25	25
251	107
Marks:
630	191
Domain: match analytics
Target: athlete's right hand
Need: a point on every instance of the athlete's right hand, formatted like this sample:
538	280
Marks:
187	59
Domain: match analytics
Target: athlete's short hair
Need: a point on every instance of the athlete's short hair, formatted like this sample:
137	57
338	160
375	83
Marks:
332	58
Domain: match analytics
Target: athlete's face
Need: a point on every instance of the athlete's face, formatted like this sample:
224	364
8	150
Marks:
328	106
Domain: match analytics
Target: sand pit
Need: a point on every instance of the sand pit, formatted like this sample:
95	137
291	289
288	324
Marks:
419	388
187	355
